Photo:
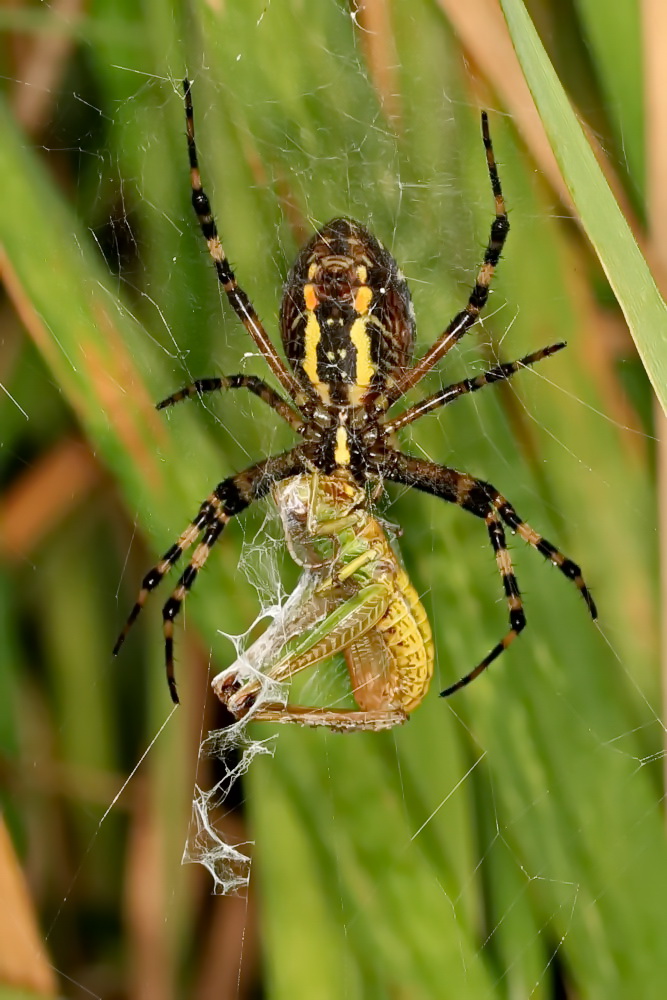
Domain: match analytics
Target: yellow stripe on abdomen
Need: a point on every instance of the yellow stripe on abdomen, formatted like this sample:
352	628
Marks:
312	336
361	340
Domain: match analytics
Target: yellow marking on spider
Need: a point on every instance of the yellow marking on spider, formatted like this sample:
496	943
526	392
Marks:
355	394
342	452
362	274
215	249
362	342
311	340
312	271
363	299
504	562
310	297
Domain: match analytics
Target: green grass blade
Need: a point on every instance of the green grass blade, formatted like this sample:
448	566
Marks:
454	857
601	217
615	46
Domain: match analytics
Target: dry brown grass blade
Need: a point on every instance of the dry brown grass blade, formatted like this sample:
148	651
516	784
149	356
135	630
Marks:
654	16
39	499
43	65
23	960
89	785
377	39
151	970
483	32
230	952
113	377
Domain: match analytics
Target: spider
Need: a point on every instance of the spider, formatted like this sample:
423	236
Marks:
348	330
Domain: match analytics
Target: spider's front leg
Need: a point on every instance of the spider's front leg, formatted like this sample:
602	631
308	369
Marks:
479	295
231	497
237	298
484	501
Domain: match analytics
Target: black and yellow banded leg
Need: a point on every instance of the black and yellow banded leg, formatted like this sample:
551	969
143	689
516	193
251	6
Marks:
238	299
462	322
499	373
569	568
173	605
154	576
484	501
252	383
230	497
511	588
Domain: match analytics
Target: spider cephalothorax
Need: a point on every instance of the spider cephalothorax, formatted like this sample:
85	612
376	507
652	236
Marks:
348	330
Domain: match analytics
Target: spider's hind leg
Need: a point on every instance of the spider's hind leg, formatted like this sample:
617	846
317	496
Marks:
511	587
569	568
484	501
169	559
187	578
231	497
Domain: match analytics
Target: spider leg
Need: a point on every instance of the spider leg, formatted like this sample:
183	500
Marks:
238	299
511	587
484	501
252	383
499	373
169	559
230	497
479	295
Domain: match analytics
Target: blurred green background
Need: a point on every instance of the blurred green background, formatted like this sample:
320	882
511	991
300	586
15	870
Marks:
505	844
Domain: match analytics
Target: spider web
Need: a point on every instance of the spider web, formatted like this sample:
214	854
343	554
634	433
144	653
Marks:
282	618
468	810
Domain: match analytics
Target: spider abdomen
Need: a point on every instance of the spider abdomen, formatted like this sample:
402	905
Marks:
347	321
